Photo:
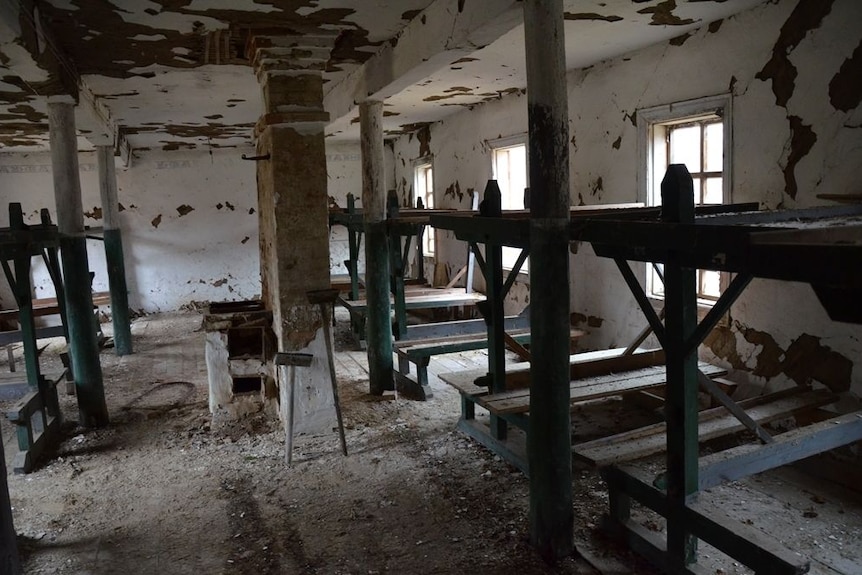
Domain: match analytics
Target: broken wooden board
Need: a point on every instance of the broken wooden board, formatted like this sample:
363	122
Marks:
716	422
518	401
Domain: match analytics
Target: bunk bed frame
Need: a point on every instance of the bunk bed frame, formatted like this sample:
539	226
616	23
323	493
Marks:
821	246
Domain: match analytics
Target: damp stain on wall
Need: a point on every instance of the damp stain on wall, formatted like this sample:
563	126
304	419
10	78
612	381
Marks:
95	213
805	360
156	221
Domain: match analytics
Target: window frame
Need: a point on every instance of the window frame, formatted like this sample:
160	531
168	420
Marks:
515	140
652	126
429	238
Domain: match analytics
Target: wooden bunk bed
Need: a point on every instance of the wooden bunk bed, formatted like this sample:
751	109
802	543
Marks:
404	226
821	246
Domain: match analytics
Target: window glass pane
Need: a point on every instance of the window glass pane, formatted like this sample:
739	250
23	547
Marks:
710	282
698	196
714	147
656	285
502	171
510	258
685	147
510	171
713	193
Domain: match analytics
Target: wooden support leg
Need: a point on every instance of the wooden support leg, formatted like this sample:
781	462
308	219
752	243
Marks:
682	375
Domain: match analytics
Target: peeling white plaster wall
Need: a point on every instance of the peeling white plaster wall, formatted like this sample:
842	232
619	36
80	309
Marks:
344	176
602	99
461	160
209	254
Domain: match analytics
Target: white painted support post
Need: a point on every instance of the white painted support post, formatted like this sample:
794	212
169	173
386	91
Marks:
378	323
549	438
84	347
114	259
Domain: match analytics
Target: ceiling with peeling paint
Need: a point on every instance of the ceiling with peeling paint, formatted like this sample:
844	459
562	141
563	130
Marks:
174	74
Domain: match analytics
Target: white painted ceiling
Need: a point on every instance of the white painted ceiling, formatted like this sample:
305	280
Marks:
172	74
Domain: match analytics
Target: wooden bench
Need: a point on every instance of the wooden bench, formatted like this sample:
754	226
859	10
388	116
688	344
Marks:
712	423
416	298
43	307
420	353
594	375
37	419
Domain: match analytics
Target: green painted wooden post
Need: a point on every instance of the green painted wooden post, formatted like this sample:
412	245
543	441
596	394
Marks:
378	311
9	562
83	344
680	286
120	317
24	299
354	240
113	240
549	442
493	307
396	269
55	270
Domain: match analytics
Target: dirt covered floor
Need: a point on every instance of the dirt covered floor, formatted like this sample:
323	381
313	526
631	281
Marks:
162	490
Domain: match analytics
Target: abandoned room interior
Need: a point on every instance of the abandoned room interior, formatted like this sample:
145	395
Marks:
431	286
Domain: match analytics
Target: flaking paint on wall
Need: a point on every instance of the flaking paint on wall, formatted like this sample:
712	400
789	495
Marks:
804	361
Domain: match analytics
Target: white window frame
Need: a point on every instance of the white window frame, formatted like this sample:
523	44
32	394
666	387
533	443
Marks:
511	254
652	123
429	238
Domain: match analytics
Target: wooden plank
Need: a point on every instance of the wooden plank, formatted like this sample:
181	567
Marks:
518	401
414	345
516	370
426	331
449	298
706	521
461	273
514	345
745	460
50	306
703	416
593	368
713	423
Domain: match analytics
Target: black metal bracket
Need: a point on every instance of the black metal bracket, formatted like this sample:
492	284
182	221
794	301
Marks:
256	158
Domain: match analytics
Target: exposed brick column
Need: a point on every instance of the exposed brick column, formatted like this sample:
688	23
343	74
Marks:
292	201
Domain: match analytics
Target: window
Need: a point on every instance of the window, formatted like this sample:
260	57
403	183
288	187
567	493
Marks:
695	133
509	159
424	186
